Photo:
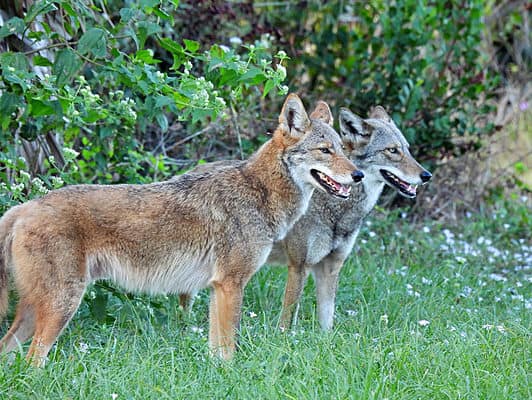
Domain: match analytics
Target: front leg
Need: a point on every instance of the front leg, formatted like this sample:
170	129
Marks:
297	276
326	274
225	314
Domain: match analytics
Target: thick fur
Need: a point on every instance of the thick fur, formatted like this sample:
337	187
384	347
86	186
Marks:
213	229
323	238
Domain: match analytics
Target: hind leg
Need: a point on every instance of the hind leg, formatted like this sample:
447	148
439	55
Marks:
51	317
21	329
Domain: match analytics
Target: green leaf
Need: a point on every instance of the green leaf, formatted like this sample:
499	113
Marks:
13	26
127	14
42	61
9	103
94	41
191	45
267	87
146	57
40	108
66	65
163	101
15	60
37	8
171	46
162	121
146	29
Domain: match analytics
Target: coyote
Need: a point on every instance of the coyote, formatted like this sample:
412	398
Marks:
323	238
214	229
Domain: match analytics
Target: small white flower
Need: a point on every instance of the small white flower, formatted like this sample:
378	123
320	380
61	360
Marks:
235	40
497	277
114	396
83	347
426	229
384	319
372	234
281	72
423	322
351	313
196	329
426	281
25	175
281	54
252	314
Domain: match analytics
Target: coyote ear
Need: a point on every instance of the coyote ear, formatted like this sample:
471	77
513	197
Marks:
380	113
323	113
354	129
294	119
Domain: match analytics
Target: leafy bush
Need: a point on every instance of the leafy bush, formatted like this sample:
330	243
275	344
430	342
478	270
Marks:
422	60
101	80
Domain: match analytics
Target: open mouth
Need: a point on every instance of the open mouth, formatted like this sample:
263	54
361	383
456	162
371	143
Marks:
330	185
405	188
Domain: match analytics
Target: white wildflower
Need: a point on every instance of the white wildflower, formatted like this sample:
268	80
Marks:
83	347
423	322
281	72
196	329
69	153
497	277
252	314
235	41
426	281
25	175
384	319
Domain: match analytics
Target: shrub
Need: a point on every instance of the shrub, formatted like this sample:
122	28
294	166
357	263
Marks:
101	81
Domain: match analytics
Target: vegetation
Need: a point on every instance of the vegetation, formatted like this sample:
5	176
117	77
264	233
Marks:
138	91
424	313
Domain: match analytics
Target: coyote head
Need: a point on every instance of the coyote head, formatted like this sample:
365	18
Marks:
313	150
379	148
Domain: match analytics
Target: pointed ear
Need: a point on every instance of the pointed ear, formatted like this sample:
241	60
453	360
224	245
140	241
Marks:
380	113
353	129
323	113
293	118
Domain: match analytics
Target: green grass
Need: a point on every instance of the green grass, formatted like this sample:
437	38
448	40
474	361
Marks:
472	283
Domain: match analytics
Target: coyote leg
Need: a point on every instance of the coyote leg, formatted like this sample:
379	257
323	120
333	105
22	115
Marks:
226	310
51	317
21	329
297	276
186	301
326	274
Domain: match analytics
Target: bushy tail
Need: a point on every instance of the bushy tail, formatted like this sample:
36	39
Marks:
6	225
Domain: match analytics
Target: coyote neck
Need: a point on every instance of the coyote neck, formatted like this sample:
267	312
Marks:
284	199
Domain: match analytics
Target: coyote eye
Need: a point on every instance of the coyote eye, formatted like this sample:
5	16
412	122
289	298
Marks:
392	150
325	150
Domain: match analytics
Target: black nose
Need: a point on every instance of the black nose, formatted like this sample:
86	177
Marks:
425	176
357	175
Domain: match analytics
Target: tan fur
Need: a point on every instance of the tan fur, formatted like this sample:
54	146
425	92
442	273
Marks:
212	229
